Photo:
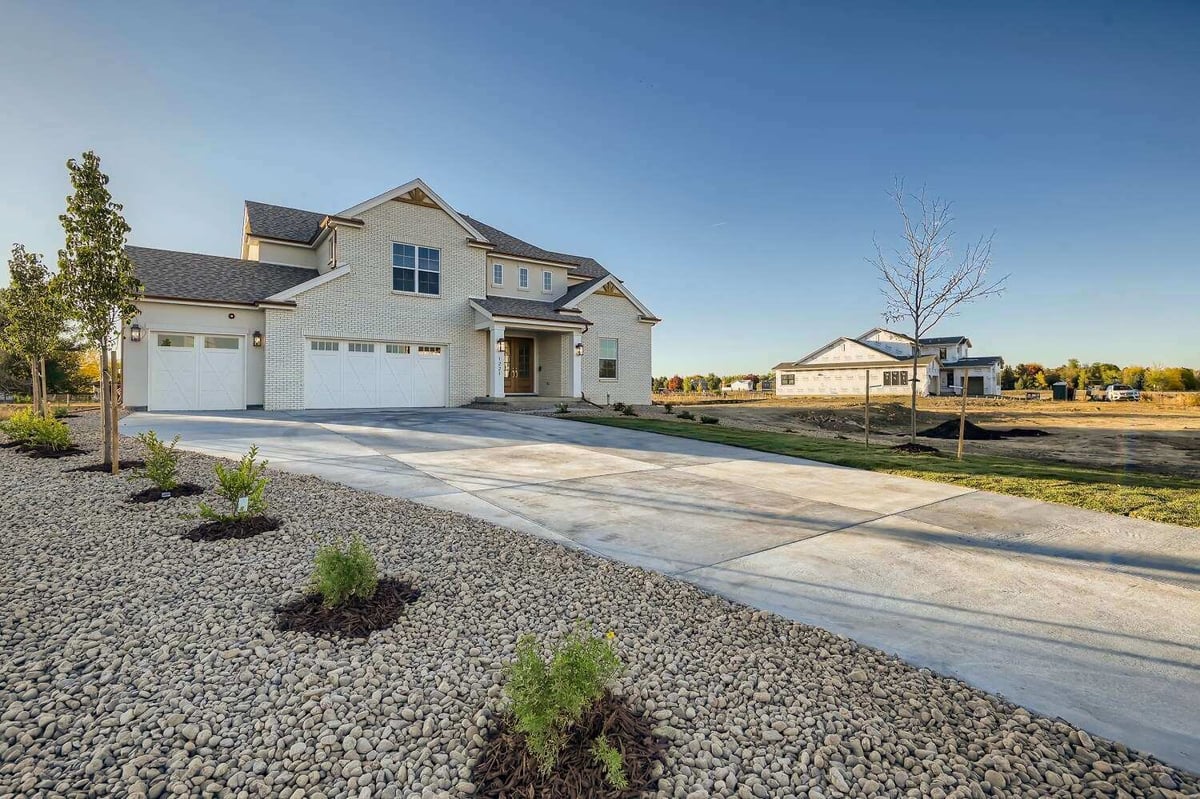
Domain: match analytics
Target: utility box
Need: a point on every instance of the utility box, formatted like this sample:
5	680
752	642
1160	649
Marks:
1062	391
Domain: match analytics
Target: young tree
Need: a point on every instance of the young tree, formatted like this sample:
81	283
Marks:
34	318
98	279
923	280
675	383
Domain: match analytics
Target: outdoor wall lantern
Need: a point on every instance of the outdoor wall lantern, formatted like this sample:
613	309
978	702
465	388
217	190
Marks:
135	332
579	350
256	339
500	346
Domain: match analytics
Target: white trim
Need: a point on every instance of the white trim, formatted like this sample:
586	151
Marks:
522	278
284	242
392	194
547	273
621	287
496	266
201	303
319	280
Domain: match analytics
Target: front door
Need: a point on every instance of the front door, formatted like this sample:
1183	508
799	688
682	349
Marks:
518	365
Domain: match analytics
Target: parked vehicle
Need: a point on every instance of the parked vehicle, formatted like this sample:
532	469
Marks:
1117	392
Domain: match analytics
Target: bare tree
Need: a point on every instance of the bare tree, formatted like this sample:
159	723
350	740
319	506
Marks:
923	280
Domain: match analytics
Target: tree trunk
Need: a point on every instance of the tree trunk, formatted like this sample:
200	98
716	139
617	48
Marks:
105	401
45	388
912	438
33	387
115	389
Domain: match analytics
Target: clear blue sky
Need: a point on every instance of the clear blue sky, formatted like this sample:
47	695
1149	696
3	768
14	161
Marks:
728	160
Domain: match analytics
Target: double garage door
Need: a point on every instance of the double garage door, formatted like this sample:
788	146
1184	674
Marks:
195	371
368	374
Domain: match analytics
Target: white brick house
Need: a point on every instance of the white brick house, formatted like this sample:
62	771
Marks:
399	301
884	359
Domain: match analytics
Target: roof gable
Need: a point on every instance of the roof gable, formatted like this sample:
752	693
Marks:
416	192
867	351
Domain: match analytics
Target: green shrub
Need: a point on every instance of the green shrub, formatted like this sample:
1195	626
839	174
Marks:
49	434
245	481
60	412
619	407
684	415
344	571
614	764
628	410
162	461
561	407
549	696
709	420
19	426
668	407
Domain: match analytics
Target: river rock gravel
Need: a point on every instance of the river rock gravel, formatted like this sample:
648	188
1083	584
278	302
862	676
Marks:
136	663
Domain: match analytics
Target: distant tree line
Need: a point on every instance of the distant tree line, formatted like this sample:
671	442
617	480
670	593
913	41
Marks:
1081	375
697	384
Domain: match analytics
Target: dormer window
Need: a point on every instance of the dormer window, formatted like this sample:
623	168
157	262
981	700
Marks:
497	274
523	277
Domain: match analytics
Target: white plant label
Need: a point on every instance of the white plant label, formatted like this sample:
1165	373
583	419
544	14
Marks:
243	504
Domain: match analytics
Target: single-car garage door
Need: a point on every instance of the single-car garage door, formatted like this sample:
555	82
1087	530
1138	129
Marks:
197	372
368	374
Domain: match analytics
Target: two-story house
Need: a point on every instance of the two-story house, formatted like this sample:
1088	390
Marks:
399	301
882	358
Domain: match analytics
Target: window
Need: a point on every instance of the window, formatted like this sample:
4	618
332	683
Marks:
398	349
608	359
416	269
332	262
787	380
185	342
547	281
942	353
895	379
357	346
429	350
324	346
523	277
497	274
221	342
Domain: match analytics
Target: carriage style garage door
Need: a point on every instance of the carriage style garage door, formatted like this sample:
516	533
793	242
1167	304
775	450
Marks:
365	374
197	372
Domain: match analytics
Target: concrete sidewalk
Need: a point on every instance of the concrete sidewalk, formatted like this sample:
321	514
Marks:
1092	617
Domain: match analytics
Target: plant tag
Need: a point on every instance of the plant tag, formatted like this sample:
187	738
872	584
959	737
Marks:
166	495
243	505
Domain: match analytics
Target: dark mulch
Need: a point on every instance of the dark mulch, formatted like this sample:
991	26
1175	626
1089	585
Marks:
506	770
357	618
39	452
916	449
155	494
106	469
973	432
232	528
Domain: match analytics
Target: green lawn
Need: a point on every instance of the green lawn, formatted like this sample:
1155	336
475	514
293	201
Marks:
1146	496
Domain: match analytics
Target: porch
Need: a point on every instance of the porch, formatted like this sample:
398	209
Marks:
534	359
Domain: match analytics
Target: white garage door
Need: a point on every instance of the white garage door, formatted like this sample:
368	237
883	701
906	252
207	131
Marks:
197	372
365	374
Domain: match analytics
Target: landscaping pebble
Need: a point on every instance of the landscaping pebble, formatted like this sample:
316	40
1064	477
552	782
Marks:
138	663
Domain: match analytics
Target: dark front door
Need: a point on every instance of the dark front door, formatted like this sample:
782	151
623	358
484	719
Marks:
518	365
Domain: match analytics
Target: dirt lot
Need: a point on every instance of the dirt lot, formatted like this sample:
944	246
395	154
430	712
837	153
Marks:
1141	436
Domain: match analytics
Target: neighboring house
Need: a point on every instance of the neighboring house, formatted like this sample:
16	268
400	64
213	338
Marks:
843	366
400	301
739	385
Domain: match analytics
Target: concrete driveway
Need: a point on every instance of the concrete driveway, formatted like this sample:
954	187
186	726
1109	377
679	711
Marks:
1087	616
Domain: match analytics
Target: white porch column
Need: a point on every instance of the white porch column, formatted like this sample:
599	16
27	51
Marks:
496	359
576	365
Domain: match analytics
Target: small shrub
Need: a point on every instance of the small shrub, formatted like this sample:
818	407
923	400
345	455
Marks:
162	461
49	434
668	407
628	411
19	426
619	407
61	412
709	420
344	572
614	765
561	407
549	696
684	415
245	481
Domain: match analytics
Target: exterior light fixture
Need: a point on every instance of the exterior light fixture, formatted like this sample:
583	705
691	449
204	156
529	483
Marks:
579	350
500	345
135	332
256	339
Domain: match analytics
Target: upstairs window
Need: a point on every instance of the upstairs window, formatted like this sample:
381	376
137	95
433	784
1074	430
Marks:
547	281
416	269
608	359
523	277
942	353
497	274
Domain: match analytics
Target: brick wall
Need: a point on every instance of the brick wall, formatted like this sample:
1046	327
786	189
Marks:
616	317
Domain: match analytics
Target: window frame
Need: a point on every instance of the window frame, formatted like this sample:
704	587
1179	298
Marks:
787	378
523	278
497	269
547	277
616	359
417	270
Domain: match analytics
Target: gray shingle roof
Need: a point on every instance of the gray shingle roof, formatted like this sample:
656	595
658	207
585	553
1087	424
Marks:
279	222
527	309
510	245
939	340
191	276
978	360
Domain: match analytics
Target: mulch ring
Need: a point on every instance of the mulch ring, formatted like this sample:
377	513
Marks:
232	528
357	618
155	494
40	452
507	771
916	449
973	432
107	468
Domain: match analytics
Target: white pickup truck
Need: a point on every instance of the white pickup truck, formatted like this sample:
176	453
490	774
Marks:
1116	392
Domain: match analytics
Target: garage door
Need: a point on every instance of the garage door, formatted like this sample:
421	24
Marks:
197	372
366	374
